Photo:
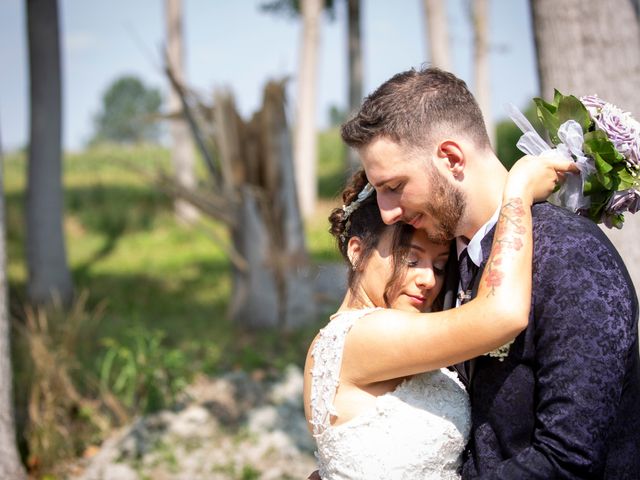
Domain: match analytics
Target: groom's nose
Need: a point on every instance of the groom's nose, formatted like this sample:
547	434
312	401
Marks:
391	216
389	212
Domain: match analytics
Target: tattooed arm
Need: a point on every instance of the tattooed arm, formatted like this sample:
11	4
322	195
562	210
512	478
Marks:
397	343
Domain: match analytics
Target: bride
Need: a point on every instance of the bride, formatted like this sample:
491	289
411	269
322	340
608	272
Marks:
377	398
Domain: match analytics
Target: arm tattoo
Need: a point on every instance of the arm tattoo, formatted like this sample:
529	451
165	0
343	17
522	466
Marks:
509	234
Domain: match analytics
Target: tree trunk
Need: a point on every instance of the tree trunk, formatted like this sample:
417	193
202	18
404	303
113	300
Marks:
355	70
49	276
437	37
591	46
480	15
305	131
273	288
10	465
182	149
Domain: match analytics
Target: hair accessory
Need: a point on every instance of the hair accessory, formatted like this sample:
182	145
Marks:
362	196
352	207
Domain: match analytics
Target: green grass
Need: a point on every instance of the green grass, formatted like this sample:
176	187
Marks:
125	247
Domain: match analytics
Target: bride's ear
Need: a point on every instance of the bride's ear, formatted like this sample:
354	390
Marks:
452	157
354	250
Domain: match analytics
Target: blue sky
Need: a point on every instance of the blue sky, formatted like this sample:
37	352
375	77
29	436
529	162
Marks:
232	43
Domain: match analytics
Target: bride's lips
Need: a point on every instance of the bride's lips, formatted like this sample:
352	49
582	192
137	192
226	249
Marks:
417	300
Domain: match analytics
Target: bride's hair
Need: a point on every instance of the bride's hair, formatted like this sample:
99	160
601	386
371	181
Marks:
366	223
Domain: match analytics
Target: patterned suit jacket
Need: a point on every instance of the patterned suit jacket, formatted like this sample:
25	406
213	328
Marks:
565	403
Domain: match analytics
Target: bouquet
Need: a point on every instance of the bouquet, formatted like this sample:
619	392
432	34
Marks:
603	140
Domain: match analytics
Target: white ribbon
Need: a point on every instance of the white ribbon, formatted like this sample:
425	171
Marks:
571	194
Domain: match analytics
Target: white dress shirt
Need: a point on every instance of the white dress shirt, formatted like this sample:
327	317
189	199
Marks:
474	246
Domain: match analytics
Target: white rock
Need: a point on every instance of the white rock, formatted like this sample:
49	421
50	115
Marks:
193	421
289	389
119	471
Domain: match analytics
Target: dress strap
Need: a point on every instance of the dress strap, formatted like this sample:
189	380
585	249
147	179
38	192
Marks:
327	362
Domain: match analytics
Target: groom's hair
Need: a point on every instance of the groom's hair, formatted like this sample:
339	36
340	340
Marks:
413	106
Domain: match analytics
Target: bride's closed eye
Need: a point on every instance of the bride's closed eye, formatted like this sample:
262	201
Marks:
438	270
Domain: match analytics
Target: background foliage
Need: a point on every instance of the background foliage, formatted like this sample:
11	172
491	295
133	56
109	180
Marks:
129	110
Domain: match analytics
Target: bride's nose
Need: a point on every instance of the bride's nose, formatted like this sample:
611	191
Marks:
426	278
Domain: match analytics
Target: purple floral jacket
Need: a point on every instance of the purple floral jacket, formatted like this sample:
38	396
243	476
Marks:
565	403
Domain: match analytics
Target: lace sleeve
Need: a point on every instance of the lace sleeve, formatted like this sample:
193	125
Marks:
327	362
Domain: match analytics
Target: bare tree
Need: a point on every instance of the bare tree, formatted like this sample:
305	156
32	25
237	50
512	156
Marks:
305	140
437	35
253	193
591	46
481	63
49	275
182	150
10	465
354	42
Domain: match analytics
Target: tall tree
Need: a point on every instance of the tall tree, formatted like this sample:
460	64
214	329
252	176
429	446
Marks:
437	33
591	46
10	465
181	149
49	275
354	42
305	140
481	64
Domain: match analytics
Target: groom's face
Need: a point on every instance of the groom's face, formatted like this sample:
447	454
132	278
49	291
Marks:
411	189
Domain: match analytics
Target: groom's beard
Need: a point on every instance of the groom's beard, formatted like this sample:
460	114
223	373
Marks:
446	208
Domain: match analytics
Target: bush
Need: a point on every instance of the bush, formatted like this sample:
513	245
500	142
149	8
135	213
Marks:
142	372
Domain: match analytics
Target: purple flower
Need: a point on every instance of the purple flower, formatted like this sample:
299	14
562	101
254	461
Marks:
621	128
624	201
593	103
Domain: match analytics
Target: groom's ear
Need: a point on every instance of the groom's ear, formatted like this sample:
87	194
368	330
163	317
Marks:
452	156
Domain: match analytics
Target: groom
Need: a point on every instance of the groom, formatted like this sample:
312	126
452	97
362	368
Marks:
564	402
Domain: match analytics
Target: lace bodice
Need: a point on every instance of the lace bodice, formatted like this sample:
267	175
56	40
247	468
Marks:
417	431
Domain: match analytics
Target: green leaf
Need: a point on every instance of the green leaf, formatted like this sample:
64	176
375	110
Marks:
557	96
592	185
107	363
601	164
548	118
570	108
597	206
617	220
541	103
626	180
597	142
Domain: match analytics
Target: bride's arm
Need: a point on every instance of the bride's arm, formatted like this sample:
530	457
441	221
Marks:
392	343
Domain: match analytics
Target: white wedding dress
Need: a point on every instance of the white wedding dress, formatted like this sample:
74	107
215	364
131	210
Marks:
417	431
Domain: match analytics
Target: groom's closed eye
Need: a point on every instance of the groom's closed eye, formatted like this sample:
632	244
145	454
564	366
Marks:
393	188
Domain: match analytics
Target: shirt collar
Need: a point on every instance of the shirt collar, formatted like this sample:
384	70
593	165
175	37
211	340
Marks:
475	244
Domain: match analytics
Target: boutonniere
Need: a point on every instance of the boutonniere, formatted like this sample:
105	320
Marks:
501	352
